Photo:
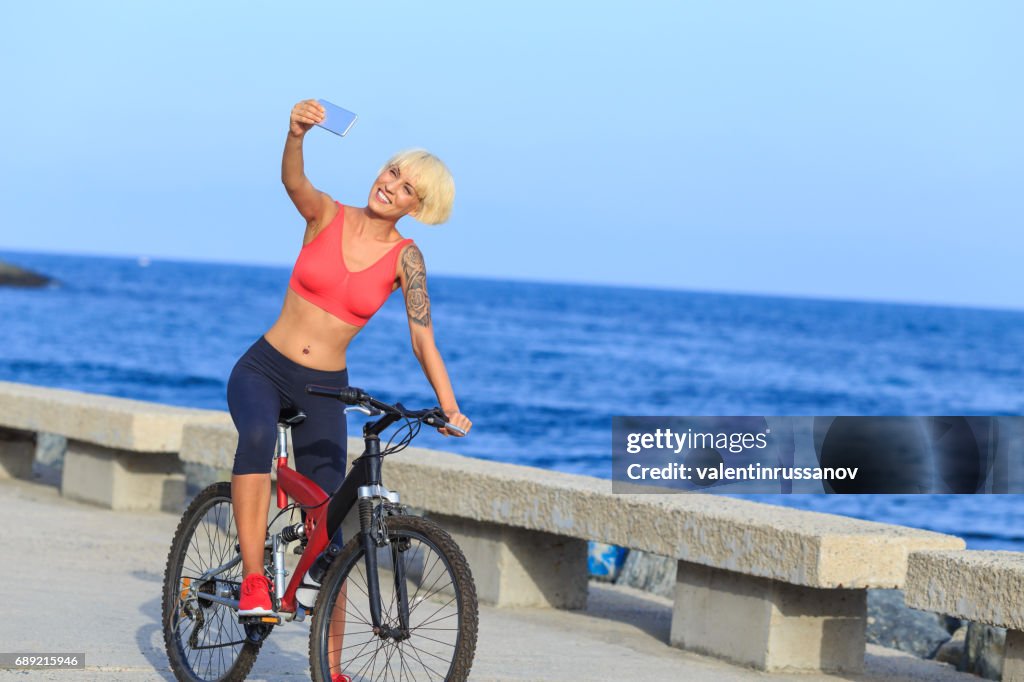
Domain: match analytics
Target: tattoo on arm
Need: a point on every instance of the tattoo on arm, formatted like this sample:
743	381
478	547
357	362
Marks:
417	302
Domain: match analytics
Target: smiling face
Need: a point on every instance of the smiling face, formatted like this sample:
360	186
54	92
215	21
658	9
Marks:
393	194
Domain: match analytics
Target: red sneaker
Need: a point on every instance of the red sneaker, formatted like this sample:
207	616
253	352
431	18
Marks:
255	599
338	677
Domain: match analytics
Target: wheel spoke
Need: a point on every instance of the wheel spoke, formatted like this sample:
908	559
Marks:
360	654
428	621
427	668
401	658
412	599
429	593
363	617
431	639
387	659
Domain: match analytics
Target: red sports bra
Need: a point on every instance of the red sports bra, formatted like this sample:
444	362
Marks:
320	276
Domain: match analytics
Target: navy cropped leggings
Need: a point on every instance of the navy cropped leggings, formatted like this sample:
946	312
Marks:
262	382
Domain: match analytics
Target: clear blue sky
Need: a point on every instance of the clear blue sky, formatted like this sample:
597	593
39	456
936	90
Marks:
866	150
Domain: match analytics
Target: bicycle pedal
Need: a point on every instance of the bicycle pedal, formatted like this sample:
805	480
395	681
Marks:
256	620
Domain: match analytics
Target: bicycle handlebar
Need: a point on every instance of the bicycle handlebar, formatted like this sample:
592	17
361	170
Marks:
356	396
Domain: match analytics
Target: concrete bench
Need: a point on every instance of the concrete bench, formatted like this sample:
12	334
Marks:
766	586
980	586
121	454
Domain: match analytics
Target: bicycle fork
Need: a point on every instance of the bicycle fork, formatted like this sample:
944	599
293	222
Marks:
374	533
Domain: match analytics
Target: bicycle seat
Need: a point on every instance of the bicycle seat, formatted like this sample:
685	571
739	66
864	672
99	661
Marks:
290	416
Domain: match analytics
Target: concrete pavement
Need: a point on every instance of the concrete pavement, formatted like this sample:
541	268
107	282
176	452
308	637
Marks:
77	578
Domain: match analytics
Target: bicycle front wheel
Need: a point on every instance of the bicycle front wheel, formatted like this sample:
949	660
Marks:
437	640
204	641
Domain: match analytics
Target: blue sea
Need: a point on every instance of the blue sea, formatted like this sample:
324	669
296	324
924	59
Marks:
542	368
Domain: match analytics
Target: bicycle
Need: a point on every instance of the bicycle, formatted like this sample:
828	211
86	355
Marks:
420	619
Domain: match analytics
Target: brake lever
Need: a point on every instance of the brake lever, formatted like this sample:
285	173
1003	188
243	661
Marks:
364	410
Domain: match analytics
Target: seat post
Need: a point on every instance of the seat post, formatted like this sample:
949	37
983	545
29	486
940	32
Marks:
288	417
282	444
282	462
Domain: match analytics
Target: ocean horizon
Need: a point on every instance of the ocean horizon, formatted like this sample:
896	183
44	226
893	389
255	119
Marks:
10	256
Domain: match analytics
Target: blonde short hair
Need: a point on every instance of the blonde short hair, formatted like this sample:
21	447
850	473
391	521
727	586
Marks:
433	181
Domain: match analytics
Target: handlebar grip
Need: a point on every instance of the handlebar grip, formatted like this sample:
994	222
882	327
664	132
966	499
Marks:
437	422
346	394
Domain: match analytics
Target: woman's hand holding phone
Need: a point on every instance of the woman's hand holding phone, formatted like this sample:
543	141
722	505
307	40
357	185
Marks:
305	115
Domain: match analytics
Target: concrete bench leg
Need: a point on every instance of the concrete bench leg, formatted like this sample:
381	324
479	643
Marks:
767	624
1013	657
199	476
17	450
120	479
519	567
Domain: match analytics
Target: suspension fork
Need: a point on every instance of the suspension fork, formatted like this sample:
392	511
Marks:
366	495
370	555
368	532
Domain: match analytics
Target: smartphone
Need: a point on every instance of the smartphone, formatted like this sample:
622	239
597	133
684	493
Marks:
339	121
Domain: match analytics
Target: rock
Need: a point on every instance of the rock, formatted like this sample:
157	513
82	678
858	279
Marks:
984	651
951	623
12	275
50	448
893	624
952	651
649	572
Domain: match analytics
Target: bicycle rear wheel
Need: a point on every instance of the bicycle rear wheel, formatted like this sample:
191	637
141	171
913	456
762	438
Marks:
441	597
205	642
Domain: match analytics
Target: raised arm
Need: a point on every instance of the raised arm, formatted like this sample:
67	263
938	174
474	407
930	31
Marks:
310	201
413	278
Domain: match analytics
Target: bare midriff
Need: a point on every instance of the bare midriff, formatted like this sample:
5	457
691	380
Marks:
310	335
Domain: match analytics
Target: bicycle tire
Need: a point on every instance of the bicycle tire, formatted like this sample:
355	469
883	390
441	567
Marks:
349	569
207	619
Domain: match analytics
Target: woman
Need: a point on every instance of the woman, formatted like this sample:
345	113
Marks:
351	260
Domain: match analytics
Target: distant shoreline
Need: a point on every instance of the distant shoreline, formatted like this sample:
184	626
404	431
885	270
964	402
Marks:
13	275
